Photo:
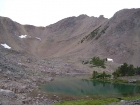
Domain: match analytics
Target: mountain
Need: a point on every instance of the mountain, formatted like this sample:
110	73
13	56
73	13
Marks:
49	40
79	37
117	38
31	56
121	39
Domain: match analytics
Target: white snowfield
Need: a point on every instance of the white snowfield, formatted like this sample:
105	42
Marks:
23	36
6	46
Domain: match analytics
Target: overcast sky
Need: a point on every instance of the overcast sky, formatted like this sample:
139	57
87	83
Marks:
45	12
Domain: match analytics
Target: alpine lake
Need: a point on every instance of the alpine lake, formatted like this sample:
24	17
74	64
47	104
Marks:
82	86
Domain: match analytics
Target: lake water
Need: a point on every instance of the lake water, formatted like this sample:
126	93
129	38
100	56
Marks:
83	86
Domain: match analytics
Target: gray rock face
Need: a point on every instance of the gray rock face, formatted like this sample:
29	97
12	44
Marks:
7	93
123	102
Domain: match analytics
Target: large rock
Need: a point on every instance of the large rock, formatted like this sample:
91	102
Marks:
7	93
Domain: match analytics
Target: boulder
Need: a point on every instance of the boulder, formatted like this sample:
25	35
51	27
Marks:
132	81
7	93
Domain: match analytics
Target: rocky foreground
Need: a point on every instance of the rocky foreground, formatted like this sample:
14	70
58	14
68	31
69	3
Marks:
21	75
123	102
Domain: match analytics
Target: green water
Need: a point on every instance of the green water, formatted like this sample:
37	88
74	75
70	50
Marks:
79	86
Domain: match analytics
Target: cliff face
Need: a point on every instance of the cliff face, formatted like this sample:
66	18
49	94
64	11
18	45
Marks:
79	37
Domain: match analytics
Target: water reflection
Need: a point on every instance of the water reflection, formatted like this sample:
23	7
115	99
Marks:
76	86
127	89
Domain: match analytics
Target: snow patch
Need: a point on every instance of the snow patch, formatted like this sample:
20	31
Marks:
6	46
23	36
109	59
38	38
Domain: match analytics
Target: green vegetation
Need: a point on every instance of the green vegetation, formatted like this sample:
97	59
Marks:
89	102
120	81
102	32
96	62
91	35
106	78
97	101
126	70
131	98
97	75
94	33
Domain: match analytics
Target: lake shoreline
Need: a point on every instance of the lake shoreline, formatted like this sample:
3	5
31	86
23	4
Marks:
63	97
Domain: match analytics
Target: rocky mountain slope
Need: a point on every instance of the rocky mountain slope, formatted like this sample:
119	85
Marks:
122	37
117	38
46	41
78	37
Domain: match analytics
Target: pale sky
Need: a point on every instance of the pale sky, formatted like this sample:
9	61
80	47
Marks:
46	12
